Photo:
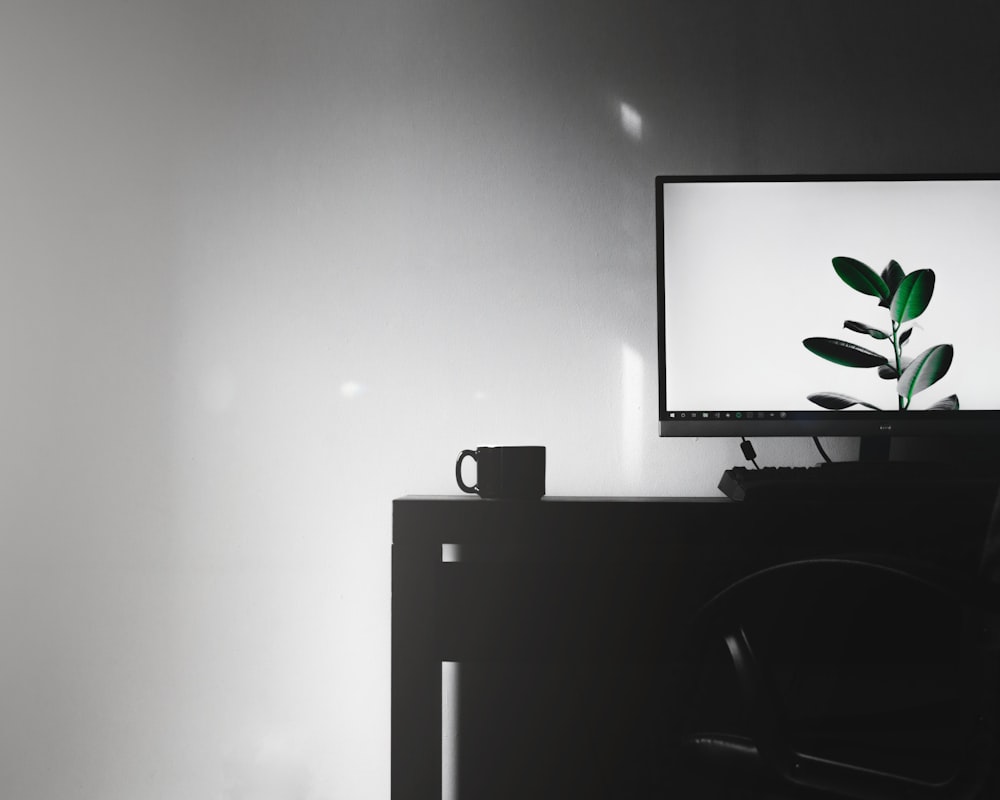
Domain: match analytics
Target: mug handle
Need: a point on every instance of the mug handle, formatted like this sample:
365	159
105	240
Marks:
458	472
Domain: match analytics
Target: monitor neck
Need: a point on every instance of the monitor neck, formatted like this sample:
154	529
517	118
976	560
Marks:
875	448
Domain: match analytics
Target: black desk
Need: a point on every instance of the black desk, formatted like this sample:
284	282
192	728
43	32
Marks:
566	618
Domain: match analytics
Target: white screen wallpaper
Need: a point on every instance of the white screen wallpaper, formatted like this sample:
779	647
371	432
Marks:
749	275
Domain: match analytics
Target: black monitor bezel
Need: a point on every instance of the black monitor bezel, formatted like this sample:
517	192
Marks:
804	423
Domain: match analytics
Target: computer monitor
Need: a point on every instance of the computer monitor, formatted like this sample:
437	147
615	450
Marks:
844	305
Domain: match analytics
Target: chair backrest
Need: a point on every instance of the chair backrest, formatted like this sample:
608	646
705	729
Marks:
989	565
965	613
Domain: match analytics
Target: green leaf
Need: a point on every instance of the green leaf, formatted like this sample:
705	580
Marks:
861	277
844	353
912	296
926	369
949	403
892	275
837	402
860	327
888	372
904	336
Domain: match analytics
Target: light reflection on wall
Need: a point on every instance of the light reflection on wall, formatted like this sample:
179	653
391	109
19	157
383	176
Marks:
634	430
631	121
351	389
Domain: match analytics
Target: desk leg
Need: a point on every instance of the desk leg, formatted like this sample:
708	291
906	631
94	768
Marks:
449	729
416	677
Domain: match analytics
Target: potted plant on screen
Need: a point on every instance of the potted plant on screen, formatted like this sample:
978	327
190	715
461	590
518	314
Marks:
903	298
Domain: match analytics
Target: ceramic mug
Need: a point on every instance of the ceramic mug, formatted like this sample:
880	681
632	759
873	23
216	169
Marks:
513	473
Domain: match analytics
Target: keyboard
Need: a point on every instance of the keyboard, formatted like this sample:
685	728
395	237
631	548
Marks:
850	480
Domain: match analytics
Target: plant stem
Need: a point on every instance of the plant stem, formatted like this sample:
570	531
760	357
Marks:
897	350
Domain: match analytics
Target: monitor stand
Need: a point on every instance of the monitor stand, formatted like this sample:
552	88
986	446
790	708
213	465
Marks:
967	454
879	460
875	461
875	449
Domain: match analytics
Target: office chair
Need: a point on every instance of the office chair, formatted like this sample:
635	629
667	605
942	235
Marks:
865	677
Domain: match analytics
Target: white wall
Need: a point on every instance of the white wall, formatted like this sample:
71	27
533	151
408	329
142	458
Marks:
267	265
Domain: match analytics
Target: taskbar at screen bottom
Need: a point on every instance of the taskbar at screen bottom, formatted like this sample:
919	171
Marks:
730	415
829	423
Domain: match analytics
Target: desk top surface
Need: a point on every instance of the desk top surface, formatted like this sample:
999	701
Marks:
693	527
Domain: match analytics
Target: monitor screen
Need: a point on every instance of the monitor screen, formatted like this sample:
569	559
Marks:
828	305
